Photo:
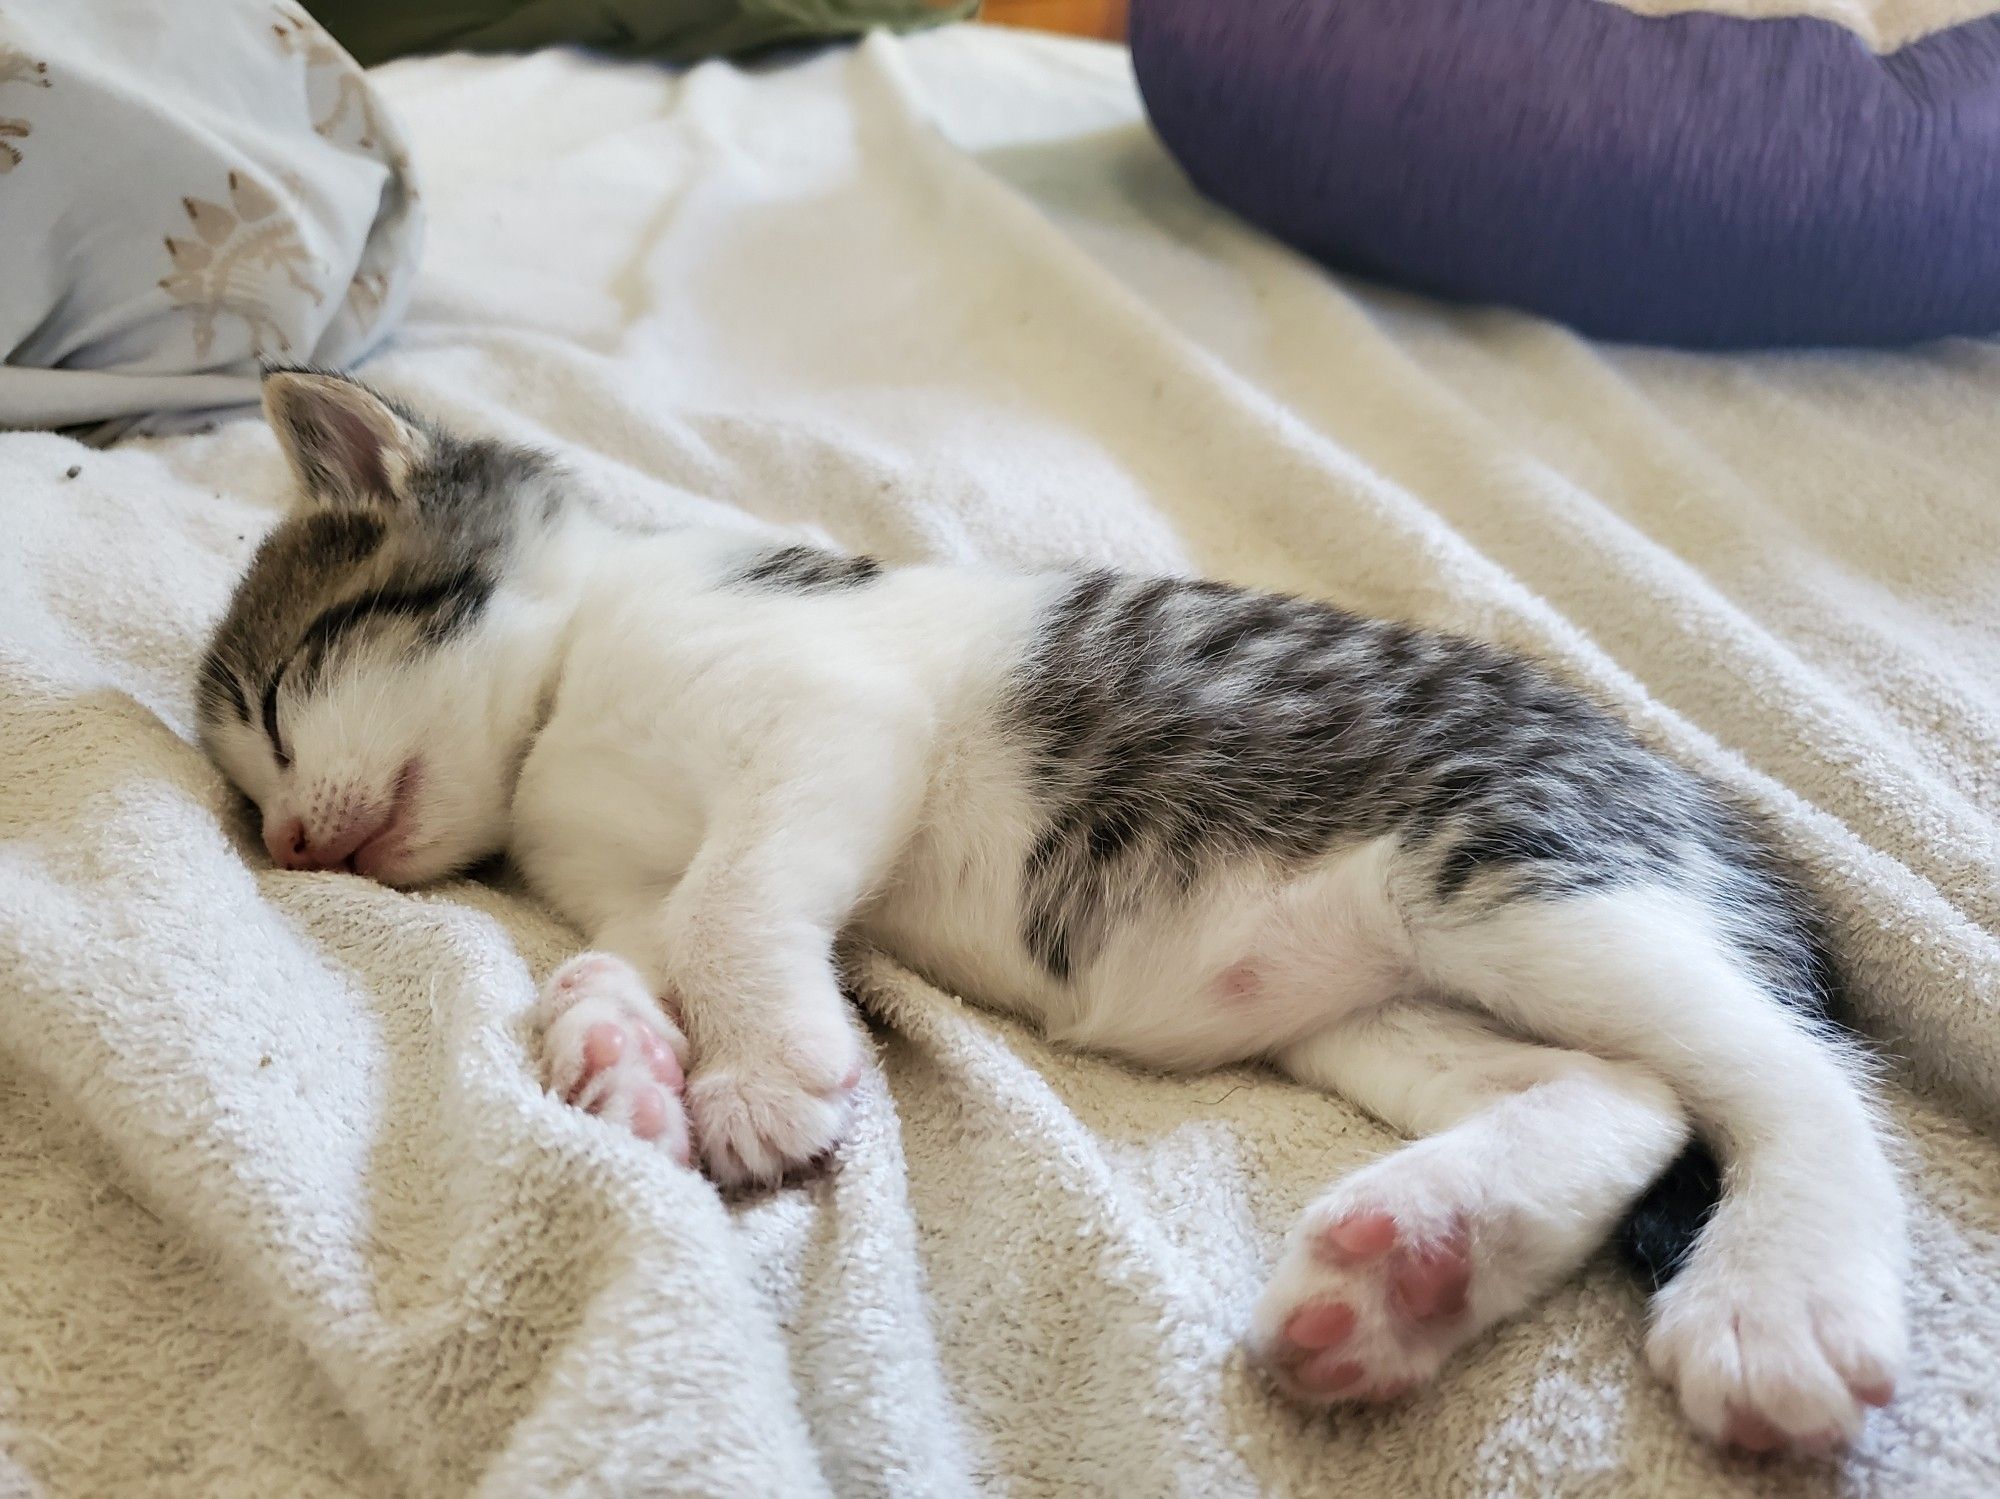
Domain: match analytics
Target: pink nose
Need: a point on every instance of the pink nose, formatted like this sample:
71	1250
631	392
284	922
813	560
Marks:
291	847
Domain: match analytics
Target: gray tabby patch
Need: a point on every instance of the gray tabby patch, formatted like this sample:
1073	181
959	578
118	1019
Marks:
1173	726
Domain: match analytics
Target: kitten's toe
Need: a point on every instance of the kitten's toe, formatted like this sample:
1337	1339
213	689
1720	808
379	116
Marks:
609	1048
768	1113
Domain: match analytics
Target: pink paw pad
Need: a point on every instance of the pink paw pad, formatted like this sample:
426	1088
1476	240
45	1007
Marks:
1433	1281
603	1046
610	1050
1750	1432
1358	1237
1386	1303
606	1045
1318	1327
1426	1281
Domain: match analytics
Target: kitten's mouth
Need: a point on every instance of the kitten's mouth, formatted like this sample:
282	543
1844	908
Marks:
377	853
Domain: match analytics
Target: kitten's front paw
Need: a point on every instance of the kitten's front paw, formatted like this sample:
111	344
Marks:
1786	1356
608	1047
767	1109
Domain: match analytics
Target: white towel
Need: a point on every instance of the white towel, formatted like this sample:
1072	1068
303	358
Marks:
281	1208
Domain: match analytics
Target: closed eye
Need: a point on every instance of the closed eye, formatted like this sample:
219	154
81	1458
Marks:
271	720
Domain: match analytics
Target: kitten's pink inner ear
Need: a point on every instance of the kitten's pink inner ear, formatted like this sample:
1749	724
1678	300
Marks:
343	442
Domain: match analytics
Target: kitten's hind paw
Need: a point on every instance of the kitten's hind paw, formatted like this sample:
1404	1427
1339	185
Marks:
1364	1313
1388	1275
608	1047
1789	1354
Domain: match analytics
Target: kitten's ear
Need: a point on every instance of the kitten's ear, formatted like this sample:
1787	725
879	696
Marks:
345	444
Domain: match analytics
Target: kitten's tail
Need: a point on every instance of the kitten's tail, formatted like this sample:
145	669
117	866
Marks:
1658	1234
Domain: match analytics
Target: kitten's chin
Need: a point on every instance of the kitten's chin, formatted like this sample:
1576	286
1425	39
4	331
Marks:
405	867
387	852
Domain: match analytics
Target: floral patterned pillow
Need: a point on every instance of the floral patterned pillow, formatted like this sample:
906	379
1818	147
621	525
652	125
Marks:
187	192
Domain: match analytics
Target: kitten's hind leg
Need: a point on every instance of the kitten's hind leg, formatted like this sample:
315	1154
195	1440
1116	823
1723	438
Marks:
1528	1157
1787	1321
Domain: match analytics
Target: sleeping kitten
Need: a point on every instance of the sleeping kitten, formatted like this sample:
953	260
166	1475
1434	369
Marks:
1177	821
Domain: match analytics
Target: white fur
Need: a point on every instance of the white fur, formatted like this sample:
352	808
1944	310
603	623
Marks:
1529	1152
713	782
1793	1304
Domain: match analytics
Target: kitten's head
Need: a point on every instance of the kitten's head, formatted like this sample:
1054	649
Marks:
359	688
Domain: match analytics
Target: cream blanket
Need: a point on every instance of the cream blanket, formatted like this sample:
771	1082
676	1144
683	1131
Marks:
281	1208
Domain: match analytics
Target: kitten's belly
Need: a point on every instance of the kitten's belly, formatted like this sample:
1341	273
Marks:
950	908
1249	961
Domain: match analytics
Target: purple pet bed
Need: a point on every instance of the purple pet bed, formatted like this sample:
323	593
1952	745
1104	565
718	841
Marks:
1697	179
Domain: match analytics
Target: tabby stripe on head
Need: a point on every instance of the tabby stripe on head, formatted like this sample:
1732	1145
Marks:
450	603
223	680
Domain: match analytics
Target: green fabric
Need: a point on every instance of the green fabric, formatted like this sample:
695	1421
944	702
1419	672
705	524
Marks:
675	30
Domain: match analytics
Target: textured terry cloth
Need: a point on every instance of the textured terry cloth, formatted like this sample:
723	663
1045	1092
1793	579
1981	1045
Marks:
284	1210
